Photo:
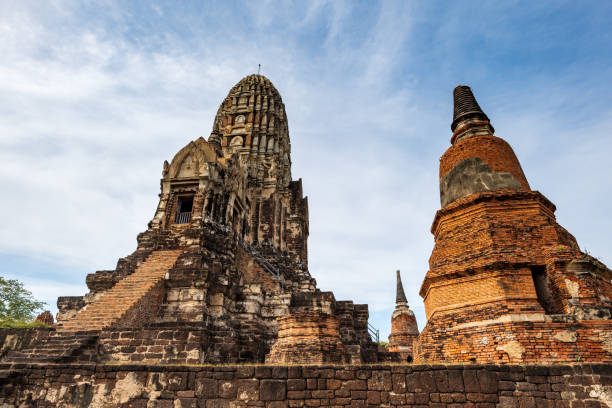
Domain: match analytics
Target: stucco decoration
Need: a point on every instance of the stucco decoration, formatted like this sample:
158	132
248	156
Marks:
191	160
471	176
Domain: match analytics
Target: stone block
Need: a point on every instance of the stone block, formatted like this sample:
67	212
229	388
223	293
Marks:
272	390
470	381
228	389
398	382
276	404
373	397
380	381
296	384
217	403
206	388
508	402
487	381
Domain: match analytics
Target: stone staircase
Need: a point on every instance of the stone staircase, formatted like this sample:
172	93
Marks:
75	338
267	266
113	304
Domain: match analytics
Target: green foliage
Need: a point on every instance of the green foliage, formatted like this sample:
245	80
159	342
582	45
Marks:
383	343
17	306
14	324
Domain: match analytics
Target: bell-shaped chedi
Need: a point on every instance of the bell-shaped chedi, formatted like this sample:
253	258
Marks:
477	160
404	329
506	282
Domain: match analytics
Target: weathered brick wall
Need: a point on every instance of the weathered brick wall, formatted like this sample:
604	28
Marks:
145	310
308	336
453	386
254	273
404	333
513	285
297	230
556	338
68	306
488	227
169	345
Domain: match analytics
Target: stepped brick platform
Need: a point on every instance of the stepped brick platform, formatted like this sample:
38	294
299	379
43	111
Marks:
59	347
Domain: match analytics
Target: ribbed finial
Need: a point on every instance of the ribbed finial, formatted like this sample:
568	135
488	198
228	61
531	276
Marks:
466	106
400	296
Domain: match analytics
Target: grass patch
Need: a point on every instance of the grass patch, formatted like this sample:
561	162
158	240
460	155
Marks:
18	324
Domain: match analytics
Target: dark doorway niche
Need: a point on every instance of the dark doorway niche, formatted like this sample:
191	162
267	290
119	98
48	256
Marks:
183	210
546	296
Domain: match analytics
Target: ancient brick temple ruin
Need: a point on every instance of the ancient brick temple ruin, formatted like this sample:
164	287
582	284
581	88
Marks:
506	283
222	271
221	274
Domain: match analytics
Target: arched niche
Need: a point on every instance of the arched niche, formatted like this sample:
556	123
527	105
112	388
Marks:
236	143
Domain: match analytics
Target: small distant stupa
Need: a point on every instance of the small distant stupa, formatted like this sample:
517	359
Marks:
404	329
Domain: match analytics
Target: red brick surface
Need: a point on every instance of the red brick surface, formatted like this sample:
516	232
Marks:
404	333
493	150
307	337
506	283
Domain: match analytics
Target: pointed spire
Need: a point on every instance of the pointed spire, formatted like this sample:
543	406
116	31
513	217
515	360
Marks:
400	297
468	117
465	106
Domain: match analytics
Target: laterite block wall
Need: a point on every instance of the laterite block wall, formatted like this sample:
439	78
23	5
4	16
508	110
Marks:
485	386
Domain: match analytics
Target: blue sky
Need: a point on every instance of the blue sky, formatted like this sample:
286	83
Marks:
94	96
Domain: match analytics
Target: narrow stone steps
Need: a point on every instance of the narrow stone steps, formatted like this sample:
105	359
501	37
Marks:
117	301
74	339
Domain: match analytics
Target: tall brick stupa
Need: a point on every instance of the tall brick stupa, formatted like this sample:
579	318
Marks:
506	282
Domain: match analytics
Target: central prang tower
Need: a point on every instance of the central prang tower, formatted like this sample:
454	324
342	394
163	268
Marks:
242	175
221	274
